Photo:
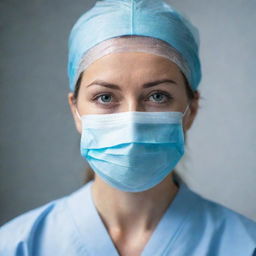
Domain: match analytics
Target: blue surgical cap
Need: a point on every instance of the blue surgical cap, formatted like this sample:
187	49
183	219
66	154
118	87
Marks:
151	18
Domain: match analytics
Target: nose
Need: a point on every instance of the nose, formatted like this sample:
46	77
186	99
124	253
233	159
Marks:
134	105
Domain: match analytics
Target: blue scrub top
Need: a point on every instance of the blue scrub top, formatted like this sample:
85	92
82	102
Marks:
192	225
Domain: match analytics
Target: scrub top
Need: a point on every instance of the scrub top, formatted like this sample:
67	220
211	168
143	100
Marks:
192	225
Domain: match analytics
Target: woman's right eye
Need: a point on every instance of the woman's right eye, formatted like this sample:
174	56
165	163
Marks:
103	98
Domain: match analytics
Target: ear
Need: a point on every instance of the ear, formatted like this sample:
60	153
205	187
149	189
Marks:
192	112
73	107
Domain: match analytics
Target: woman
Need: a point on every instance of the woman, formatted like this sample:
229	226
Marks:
134	71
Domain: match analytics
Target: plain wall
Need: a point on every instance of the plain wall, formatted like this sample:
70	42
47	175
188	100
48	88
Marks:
39	146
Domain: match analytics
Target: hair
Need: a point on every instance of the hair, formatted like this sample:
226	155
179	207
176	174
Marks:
89	172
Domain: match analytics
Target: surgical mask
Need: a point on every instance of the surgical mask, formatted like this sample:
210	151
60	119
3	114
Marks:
132	151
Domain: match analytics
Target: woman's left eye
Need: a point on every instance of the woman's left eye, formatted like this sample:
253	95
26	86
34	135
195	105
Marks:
159	97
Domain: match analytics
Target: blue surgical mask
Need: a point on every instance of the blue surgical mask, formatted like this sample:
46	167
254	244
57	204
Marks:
132	151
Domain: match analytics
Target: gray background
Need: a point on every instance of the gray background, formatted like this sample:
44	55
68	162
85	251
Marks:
39	146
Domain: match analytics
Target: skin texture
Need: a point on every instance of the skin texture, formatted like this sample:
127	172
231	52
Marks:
131	218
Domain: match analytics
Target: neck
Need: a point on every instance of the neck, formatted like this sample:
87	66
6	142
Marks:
131	211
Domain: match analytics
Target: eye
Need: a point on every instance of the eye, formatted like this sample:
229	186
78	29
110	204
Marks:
160	97
105	98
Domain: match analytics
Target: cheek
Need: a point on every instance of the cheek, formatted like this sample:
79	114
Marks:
87	106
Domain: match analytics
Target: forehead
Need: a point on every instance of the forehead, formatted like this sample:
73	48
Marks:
132	65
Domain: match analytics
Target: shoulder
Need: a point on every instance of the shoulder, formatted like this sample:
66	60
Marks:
47	230
225	227
17	235
222	215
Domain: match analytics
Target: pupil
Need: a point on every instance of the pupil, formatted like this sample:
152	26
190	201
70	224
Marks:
106	98
158	96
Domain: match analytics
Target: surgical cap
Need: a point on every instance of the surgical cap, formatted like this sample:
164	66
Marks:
96	32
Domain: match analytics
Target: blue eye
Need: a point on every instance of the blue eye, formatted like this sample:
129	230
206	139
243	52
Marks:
159	97
104	98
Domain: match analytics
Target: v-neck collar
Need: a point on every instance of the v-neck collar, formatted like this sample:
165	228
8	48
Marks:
93	234
95	239
171	223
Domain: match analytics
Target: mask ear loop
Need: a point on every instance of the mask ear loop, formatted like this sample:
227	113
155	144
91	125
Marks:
184	113
78	115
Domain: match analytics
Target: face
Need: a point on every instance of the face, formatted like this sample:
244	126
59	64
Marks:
132	81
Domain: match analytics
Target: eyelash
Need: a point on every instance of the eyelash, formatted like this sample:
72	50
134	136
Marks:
95	99
167	95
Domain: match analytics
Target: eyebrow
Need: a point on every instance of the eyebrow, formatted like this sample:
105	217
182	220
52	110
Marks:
146	85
